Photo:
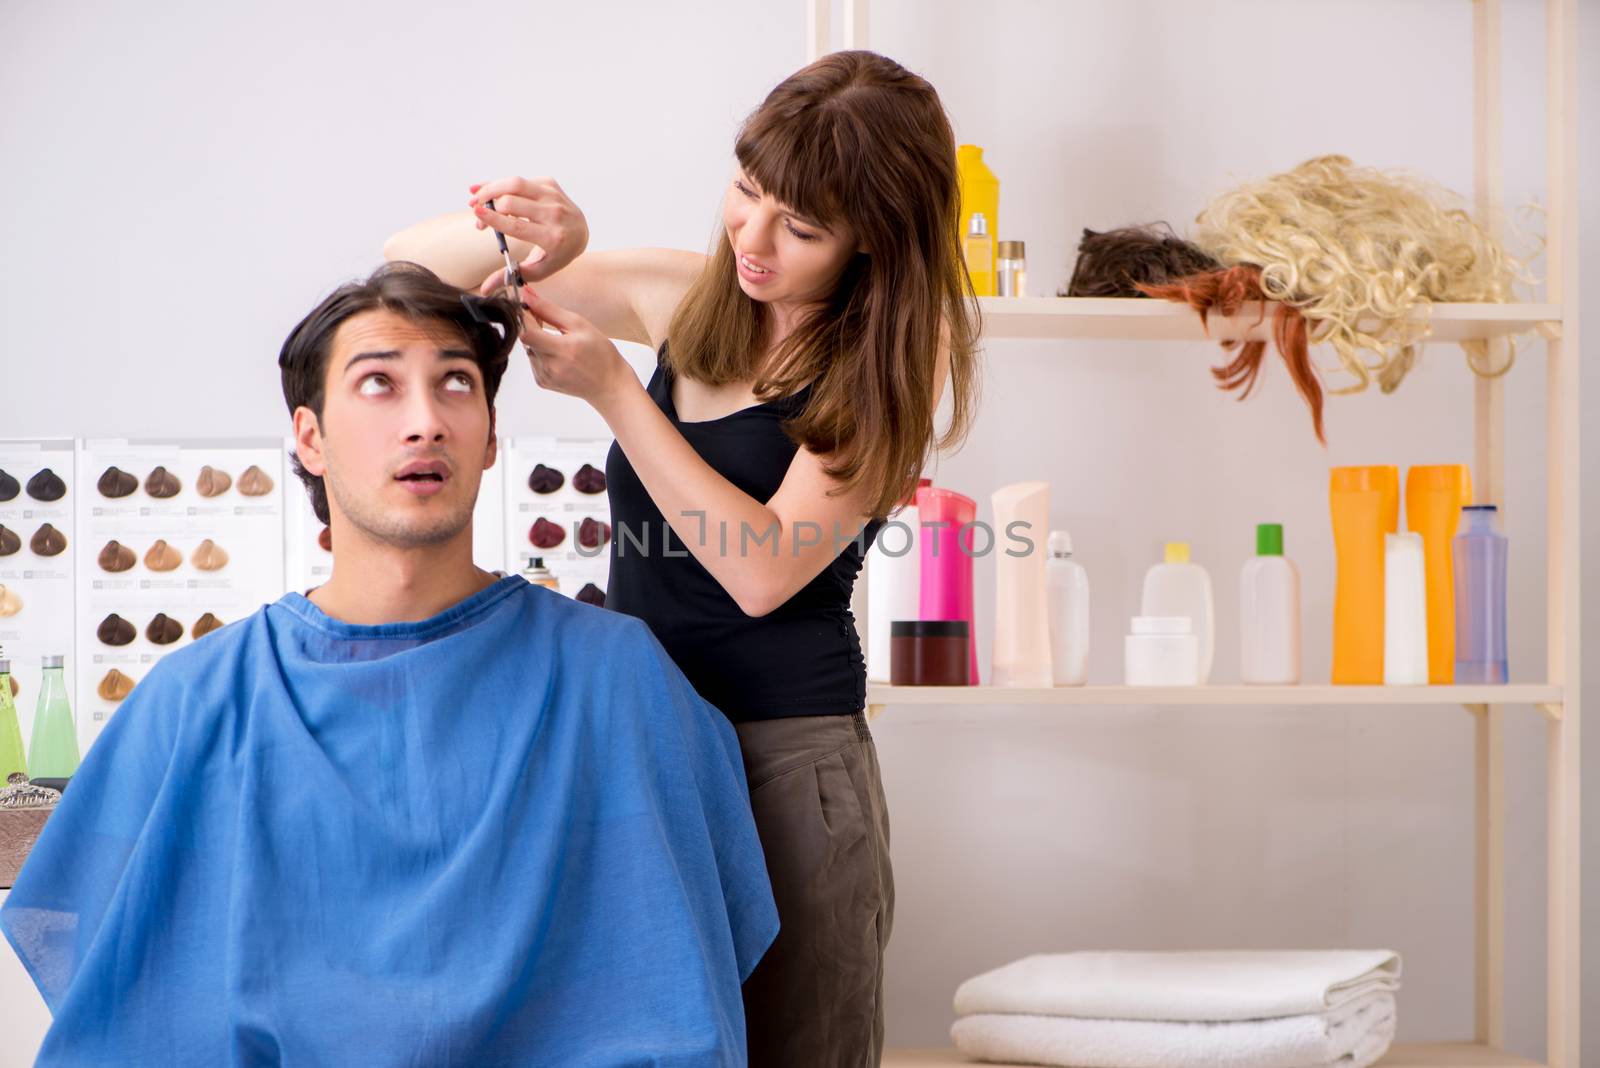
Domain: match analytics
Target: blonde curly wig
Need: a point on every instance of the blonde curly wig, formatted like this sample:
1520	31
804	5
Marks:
1355	250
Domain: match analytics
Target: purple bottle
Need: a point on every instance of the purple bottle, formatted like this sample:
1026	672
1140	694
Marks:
1480	567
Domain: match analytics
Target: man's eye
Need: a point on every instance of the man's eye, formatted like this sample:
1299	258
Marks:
459	383
373	385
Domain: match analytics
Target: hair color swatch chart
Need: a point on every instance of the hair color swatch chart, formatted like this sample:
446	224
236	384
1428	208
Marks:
116	553
38	547
557	509
178	540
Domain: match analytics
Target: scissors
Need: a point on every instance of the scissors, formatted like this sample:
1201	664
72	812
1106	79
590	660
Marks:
513	278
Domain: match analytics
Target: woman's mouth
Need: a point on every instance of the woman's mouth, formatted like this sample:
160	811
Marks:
751	271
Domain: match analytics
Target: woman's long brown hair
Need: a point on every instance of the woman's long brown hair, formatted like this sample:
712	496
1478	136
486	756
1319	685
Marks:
857	138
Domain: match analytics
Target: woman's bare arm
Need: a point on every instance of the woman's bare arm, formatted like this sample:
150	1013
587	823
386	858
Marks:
629	294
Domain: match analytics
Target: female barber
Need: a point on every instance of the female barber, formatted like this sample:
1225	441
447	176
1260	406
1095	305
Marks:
792	409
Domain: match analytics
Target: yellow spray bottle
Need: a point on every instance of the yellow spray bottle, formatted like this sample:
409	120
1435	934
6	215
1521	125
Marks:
980	194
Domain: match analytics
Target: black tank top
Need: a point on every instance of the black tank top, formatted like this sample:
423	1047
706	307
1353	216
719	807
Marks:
801	659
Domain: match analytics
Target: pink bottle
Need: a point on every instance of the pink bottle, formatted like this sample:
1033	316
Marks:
947	559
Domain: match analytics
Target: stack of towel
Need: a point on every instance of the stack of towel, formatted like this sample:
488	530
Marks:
1239	1009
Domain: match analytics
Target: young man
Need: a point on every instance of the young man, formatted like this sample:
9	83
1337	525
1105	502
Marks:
422	815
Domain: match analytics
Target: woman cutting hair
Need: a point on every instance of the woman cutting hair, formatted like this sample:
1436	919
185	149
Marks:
792	409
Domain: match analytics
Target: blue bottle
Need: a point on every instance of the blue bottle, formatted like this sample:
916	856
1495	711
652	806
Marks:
1480	567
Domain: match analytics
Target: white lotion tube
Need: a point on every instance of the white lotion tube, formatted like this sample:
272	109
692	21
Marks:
1405	611
1022	619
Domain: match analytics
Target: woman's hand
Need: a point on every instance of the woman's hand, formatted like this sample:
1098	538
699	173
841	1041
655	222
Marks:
535	210
575	359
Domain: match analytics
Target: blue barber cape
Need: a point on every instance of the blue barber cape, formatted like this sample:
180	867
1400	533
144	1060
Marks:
511	834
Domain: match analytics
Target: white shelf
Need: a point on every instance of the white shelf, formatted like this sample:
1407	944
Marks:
1138	319
1400	1055
1517	694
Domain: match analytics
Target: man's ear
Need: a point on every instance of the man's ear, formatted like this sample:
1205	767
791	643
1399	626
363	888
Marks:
493	450
308	441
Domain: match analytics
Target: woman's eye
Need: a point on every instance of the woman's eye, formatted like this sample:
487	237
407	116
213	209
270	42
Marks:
746	191
801	234
372	385
459	383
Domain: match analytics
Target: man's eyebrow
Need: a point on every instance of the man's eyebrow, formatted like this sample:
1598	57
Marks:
394	354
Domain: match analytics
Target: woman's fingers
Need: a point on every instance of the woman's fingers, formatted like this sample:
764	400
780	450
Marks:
535	231
515	186
550	312
522	207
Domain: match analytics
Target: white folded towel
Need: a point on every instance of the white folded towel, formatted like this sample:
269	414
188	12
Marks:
1352	1036
1206	986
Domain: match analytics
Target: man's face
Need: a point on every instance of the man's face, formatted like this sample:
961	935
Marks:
405	433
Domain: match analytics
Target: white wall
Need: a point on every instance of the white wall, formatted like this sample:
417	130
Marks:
182	182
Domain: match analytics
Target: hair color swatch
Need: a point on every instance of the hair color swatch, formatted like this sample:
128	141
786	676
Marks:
212	483
592	533
116	557
162	484
9	487
115	482
589	479
545	479
255	482
163	629
48	541
46	486
115	686
10	541
163	557
114	630
205	625
209	556
545	534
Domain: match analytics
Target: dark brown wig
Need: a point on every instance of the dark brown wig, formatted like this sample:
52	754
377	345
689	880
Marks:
1115	263
1225	292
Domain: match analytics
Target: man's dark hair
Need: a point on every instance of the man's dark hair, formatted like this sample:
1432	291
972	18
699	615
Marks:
488	324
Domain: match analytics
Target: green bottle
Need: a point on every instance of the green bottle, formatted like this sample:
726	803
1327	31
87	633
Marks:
11	759
53	752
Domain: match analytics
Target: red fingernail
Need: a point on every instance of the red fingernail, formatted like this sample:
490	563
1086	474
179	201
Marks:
475	188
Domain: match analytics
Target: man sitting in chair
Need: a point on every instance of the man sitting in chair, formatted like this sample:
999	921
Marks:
421	815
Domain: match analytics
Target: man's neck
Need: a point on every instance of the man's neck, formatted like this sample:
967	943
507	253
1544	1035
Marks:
374	583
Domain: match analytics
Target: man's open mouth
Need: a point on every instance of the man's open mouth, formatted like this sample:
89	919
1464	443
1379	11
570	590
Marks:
423	472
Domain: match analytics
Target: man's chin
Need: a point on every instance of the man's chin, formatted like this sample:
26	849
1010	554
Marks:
417	530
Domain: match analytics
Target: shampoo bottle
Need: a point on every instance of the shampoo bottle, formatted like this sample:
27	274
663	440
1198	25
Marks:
980	193
1269	613
53	750
12	759
894	577
1178	587
1480	574
1067	589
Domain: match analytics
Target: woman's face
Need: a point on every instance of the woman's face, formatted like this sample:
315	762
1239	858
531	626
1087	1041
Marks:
781	256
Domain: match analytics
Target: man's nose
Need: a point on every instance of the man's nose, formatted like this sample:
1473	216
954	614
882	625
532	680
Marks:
425	424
